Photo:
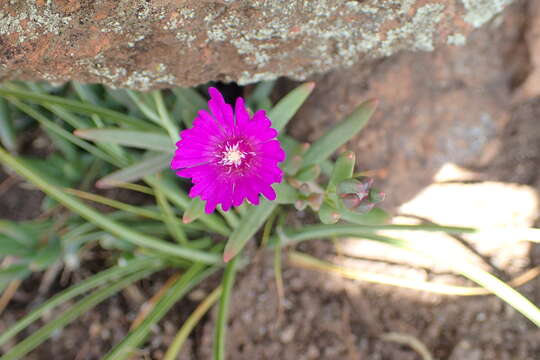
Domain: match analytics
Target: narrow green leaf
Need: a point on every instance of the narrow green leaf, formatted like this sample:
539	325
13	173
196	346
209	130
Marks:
242	209
137	139
46	256
267	230
278	272
115	98
178	290
149	112
343	169
26	234
285	109
220	333
7	131
77	106
329	214
187	117
86	92
104	221
188	103
137	210
230	217
135	172
260	98
250	224
165	118
10	247
48	124
66	148
498	287
310	232
286	194
58	110
473	272
190	98
373	217
171	221
309	173
295	152
262	90
101	278
194	211
338	135
39	336
190	323
202	243
14	272
181	200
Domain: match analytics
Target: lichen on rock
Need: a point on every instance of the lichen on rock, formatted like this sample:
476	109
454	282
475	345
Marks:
144	44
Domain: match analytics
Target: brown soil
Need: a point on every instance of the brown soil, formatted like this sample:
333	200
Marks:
435	117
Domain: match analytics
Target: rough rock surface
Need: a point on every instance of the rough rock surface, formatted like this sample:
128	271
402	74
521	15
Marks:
447	106
142	44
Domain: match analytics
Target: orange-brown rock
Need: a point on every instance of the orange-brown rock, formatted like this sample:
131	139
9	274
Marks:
142	44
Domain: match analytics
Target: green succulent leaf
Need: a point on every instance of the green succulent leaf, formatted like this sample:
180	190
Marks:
149	166
329	214
47	255
285	109
343	169
188	103
194	211
76	106
321	149
132	138
7	130
309	173
286	194
14	272
250	224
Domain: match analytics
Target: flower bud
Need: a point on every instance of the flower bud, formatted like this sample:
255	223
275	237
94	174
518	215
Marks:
350	201
365	206
357	186
366	182
376	196
328	214
300	204
315	201
305	189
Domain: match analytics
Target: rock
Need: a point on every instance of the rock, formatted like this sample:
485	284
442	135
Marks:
447	106
144	44
530	88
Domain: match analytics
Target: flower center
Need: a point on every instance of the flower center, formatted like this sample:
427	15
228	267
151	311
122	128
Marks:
232	155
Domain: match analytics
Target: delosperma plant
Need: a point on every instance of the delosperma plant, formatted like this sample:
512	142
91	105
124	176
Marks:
230	157
237	172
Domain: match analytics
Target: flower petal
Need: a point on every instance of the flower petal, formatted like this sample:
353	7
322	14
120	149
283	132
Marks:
241	113
220	109
200	152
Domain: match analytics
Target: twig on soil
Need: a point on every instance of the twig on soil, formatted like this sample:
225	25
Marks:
8	293
148	306
406	339
280	288
11	289
48	277
190	323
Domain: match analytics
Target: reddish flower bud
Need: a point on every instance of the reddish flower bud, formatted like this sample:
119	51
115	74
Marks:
350	201
376	196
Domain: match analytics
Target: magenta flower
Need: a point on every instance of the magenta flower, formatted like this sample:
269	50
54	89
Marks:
229	157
